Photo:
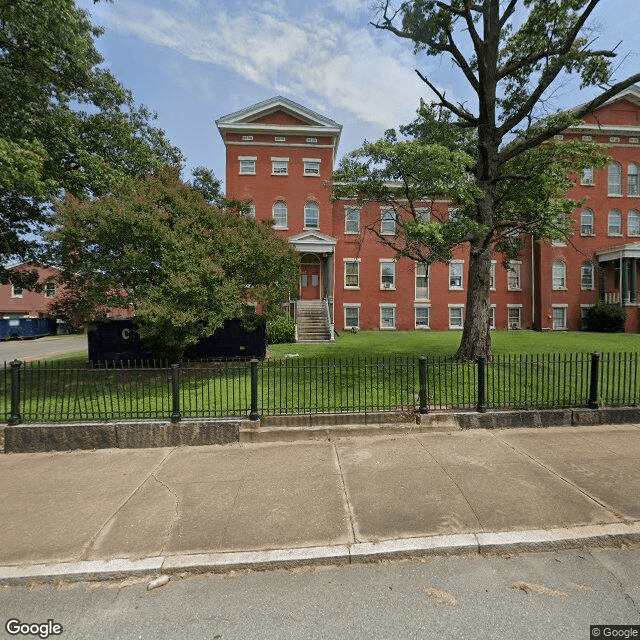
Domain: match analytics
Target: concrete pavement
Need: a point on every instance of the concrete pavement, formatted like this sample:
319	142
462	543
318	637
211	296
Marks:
93	514
40	348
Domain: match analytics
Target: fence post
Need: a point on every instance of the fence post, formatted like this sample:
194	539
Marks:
422	376
15	417
254	415
593	383
175	392
482	400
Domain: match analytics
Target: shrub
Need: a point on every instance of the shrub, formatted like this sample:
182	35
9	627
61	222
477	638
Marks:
606	317
281	329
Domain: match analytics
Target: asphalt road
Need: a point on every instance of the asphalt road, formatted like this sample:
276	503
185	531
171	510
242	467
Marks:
531	596
40	348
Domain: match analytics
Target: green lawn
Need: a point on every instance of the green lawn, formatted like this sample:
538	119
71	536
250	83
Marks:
372	370
445	343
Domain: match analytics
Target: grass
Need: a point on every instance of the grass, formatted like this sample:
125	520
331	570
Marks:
376	370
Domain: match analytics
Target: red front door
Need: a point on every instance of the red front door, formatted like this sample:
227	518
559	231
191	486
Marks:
309	282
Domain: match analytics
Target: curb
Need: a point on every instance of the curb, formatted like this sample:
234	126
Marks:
603	536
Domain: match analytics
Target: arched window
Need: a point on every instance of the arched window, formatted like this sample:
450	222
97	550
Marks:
311	215
586	276
252	209
559	275
615	179
280	215
614	226
633	186
586	223
633	223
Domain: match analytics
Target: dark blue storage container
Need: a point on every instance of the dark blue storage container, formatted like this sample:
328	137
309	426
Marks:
21	328
118	341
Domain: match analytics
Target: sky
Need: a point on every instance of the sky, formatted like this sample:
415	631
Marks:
193	61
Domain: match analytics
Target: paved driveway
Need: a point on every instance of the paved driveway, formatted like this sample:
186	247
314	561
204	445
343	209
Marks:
40	348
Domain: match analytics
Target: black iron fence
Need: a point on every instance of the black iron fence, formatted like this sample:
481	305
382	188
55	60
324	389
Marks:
50	392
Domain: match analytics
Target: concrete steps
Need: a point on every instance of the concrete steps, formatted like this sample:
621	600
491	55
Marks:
312	322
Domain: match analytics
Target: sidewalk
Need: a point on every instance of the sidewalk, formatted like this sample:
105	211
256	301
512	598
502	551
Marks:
113	512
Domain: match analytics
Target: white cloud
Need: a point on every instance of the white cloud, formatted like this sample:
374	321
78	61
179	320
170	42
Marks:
313	59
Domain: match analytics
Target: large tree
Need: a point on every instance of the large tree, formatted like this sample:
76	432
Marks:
511	54
184	265
66	124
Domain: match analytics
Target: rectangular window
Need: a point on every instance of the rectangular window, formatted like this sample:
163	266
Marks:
513	276
312	139
492	276
584	310
247	138
352	220
456	317
280	139
387	274
455	275
351	316
387	316
16	292
388	222
279	166
587	176
311	167
422	281
247	165
514	317
423	214
49	289
352	274
422	317
559	318
492	316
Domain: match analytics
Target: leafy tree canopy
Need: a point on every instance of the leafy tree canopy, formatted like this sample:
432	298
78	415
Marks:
66	124
512	55
184	265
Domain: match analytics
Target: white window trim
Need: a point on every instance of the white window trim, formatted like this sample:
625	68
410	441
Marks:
637	213
514	306
253	159
492	275
456	306
347	232
395	319
383	286
346	306
415	282
587	183
454	287
415	324
275	225
593	277
559	306
351	260
614	195
492	325
304	213
273	168
16	295
553	285
55	289
593	223
309	160
384	210
512	264
616	234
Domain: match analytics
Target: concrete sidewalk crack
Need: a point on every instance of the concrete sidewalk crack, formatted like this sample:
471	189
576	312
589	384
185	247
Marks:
84	554
572	484
346	497
176	514
455	484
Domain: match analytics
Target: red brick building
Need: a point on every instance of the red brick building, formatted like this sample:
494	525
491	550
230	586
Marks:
280	157
16	302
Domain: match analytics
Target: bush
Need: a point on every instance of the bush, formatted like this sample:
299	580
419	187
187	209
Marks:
281	329
606	317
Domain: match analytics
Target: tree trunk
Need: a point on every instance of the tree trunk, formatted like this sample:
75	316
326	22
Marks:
476	336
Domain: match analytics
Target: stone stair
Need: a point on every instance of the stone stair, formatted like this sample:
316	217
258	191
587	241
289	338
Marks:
312	321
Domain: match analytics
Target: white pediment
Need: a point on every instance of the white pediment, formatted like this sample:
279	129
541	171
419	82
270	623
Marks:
313	242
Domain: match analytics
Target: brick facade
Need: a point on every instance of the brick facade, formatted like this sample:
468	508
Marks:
280	156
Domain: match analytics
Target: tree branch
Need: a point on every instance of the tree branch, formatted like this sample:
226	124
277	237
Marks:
463	114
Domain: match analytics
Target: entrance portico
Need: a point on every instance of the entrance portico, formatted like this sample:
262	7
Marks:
316	265
619	268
